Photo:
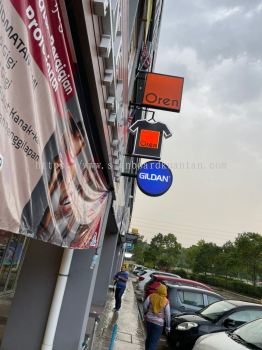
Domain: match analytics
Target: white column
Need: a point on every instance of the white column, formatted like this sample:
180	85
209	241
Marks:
54	312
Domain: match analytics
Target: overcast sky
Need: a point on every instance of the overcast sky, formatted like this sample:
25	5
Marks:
216	148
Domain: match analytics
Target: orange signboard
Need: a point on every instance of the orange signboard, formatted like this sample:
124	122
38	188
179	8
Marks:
149	139
163	92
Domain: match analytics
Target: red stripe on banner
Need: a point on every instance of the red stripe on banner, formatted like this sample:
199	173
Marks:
49	46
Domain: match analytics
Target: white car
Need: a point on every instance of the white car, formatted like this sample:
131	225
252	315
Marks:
137	268
142	277
146	276
248	336
141	271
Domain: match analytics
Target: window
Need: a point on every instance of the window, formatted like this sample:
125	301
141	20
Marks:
12	251
244	316
251	333
191	298
214	311
143	273
212	299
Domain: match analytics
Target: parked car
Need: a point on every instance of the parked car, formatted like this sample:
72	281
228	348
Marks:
163	273
223	315
184	299
137	268
146	276
141	276
248	336
157	279
142	271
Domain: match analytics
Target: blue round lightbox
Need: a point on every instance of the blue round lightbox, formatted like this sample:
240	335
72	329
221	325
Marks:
154	178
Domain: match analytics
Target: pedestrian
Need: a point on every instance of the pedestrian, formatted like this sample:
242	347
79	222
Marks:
157	316
120	282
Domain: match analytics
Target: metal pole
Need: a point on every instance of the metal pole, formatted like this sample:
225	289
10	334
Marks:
113	337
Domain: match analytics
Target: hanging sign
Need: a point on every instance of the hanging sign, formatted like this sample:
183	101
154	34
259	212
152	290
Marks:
148	142
154	178
129	247
163	92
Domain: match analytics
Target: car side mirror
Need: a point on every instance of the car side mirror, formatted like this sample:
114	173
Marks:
229	323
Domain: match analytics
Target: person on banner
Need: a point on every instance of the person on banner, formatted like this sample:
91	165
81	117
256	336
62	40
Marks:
120	282
56	222
157	316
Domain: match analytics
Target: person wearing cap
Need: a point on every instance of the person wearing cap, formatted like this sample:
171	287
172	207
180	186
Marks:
157	316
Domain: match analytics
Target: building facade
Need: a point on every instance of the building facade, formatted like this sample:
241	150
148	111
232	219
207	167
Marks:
113	44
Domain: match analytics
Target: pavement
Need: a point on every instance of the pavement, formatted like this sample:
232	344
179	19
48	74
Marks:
130	329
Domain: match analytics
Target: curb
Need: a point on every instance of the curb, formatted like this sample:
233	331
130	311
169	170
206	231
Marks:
140	313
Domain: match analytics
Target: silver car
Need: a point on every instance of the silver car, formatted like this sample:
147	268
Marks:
248	336
190	299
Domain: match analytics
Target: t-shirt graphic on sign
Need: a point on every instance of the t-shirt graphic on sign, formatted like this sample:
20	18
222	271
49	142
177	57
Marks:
149	138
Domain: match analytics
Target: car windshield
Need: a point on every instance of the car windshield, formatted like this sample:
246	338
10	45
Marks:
143	273
214	311
251	333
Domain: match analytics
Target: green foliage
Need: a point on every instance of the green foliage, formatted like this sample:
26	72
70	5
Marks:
206	257
182	259
139	250
249	248
229	284
166	250
162	252
241	259
227	260
190	255
181	272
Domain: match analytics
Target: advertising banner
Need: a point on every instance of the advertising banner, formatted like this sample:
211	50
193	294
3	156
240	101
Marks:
154	178
50	186
96	236
163	92
129	247
148	142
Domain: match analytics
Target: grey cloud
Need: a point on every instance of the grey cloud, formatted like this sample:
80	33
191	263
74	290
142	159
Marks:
229	81
189	24
236	82
246	5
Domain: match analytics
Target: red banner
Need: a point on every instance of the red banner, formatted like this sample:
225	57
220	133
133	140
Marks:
50	187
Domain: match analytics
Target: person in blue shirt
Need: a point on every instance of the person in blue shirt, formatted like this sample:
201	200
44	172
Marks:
120	281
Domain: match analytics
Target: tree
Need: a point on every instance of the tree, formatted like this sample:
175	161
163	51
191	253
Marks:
227	260
182	259
139	250
166	250
249	251
206	257
190	255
